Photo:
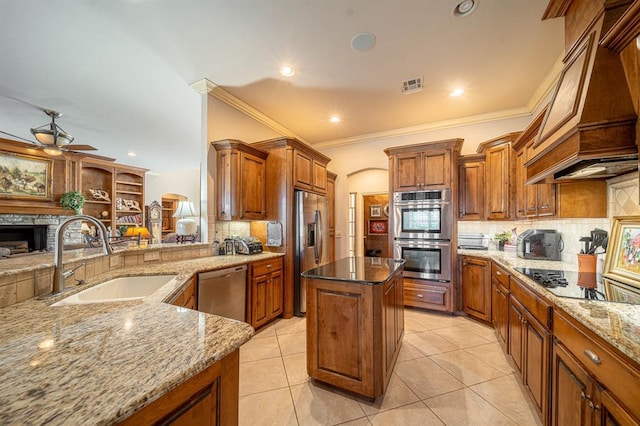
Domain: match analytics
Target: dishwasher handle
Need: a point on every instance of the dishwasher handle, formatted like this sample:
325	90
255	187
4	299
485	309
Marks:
222	272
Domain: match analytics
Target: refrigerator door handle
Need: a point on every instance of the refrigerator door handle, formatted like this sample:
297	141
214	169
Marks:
320	236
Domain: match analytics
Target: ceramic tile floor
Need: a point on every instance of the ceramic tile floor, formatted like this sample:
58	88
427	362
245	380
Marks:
450	371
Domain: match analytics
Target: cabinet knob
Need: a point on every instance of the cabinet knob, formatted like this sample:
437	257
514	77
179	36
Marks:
498	273
593	407
269	266
583	396
546	206
592	356
420	296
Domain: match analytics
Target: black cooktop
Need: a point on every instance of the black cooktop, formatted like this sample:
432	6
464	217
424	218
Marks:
579	285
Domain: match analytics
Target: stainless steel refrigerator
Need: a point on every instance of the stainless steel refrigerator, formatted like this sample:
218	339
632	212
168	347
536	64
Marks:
311	241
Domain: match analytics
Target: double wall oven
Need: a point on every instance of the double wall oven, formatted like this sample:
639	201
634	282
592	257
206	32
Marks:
422	222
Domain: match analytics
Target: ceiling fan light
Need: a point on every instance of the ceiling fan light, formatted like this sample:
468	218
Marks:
44	136
63	138
52	150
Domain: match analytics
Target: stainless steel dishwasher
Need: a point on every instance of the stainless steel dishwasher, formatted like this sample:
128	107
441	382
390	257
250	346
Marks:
223	292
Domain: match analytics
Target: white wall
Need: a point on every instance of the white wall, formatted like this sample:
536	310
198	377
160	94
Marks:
181	182
347	159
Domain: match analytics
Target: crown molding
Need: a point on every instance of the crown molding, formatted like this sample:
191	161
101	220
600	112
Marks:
206	86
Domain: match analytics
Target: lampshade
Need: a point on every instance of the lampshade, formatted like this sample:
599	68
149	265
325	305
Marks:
134	231
185	209
50	134
186	225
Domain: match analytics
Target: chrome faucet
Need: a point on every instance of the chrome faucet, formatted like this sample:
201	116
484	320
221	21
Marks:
59	275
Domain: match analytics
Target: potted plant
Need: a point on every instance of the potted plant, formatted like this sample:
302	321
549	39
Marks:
72	200
502	238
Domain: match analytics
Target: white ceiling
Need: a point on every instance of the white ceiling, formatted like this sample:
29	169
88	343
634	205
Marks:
121	70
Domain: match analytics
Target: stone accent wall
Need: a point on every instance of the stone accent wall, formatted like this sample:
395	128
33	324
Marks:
73	233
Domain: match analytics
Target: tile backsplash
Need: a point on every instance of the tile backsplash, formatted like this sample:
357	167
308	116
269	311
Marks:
623	200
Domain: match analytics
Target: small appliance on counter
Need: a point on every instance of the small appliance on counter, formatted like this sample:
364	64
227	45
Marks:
247	245
539	244
473	241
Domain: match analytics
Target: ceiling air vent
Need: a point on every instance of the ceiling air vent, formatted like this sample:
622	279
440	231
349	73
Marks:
412	85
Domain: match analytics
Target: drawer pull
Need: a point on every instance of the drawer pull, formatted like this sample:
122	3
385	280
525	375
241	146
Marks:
592	356
420	296
269	266
498	273
593	407
583	396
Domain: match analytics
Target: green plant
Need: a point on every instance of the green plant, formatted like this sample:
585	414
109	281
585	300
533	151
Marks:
72	200
503	236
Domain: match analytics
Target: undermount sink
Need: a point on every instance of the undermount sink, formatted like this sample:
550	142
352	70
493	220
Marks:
118	290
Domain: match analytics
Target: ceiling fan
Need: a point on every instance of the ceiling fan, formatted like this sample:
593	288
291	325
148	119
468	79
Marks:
53	139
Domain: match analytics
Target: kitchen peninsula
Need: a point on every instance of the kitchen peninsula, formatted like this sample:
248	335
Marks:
135	362
355	322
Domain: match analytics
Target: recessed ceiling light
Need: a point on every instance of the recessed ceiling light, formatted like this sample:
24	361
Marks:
464	8
131	154
457	92
363	41
335	119
287	71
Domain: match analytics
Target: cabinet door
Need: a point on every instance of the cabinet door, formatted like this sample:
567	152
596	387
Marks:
476	288
570	386
609	412
389	325
536	352
497	168
319	177
436	169
400	310
499	312
252	187
516	325
302	170
471	191
546	204
259	300
407	171
275	299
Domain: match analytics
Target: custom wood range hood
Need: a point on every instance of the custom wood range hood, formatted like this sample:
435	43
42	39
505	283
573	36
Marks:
589	127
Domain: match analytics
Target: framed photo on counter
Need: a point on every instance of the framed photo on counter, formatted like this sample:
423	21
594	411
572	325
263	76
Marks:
622	262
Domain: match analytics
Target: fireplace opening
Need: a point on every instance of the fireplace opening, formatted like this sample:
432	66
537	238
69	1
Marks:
23	239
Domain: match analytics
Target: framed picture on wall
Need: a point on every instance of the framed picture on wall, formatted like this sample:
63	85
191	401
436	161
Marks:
25	177
375	211
378	227
623	257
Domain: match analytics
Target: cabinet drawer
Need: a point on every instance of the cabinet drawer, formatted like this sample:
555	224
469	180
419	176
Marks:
500	274
266	266
617	375
429	296
536	305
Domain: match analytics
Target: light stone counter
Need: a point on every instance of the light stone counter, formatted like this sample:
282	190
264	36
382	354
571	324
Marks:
616	323
98	363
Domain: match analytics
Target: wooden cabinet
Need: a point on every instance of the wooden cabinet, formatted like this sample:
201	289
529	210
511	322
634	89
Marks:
188	297
591	382
471	194
124	188
476	287
500	303
169	206
309	172
354	332
265	296
530	341
423	166
428	294
331	196
241	181
208	398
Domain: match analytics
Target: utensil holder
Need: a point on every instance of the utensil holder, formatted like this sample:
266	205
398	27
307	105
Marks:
587	263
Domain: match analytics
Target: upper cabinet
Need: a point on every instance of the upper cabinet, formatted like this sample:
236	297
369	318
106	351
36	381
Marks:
310	170
423	166
240	181
471	187
331	196
498	174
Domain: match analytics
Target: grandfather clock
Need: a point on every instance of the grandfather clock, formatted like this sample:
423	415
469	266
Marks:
154	222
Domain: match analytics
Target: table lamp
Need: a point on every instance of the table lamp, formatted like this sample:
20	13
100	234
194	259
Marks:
186	225
138	231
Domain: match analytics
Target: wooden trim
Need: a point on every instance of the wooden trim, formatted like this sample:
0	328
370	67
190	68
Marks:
625	30
530	132
240	146
509	137
453	144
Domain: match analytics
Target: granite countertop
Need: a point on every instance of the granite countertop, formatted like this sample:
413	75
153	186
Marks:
98	363
358	270
616	323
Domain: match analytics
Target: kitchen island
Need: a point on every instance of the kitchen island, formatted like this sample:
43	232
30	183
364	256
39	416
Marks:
129	361
355	322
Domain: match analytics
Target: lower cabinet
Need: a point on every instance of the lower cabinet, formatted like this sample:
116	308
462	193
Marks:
591	384
188	298
476	287
208	398
265	295
500	312
428	294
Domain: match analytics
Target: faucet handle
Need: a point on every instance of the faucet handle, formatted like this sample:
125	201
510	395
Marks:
71	272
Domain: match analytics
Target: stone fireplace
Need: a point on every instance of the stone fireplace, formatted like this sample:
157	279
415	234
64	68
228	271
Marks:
24	234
